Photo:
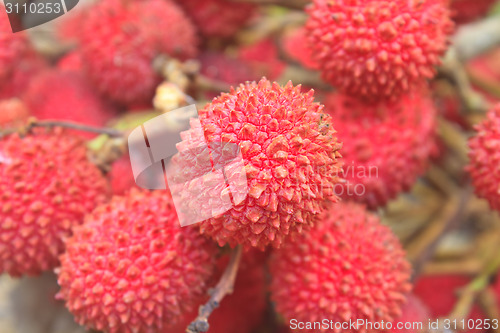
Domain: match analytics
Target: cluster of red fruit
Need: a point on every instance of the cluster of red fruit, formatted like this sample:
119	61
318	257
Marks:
124	263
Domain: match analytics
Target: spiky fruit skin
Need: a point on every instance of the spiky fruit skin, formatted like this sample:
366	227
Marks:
385	146
132	268
13	112
12	46
484	158
67	96
122	69
337	271
414	311
291	160
218	18
47	185
378	49
441	293
464	11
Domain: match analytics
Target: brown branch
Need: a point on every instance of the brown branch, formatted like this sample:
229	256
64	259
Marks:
223	288
470	293
72	125
424	247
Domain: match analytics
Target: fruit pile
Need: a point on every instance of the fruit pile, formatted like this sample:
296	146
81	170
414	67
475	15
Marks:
366	195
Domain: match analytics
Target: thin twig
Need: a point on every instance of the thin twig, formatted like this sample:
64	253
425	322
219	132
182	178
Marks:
424	248
223	288
473	289
72	125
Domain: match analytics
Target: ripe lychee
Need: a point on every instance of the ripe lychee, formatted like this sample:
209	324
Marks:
263	58
121	176
243	310
123	70
441	292
132	268
67	96
12	46
378	49
47	185
415	315
385	146
291	162
338	271
484	158
218	18
295	45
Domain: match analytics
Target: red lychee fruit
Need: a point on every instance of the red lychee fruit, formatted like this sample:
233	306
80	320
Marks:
26	68
291	163
295	45
464	11
67	96
71	62
243	310
337	271
47	185
484	158
123	69
378	49
263	58
13	112
132	268
415	315
169	29
218	18
12	46
385	146
441	292
121	176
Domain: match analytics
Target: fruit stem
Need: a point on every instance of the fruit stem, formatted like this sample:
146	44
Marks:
223	288
32	123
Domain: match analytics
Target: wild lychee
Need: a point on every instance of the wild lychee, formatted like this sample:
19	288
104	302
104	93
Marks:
132	268
385	146
12	46
291	162
47	185
218	18
337	271
67	96
485	158
378	49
